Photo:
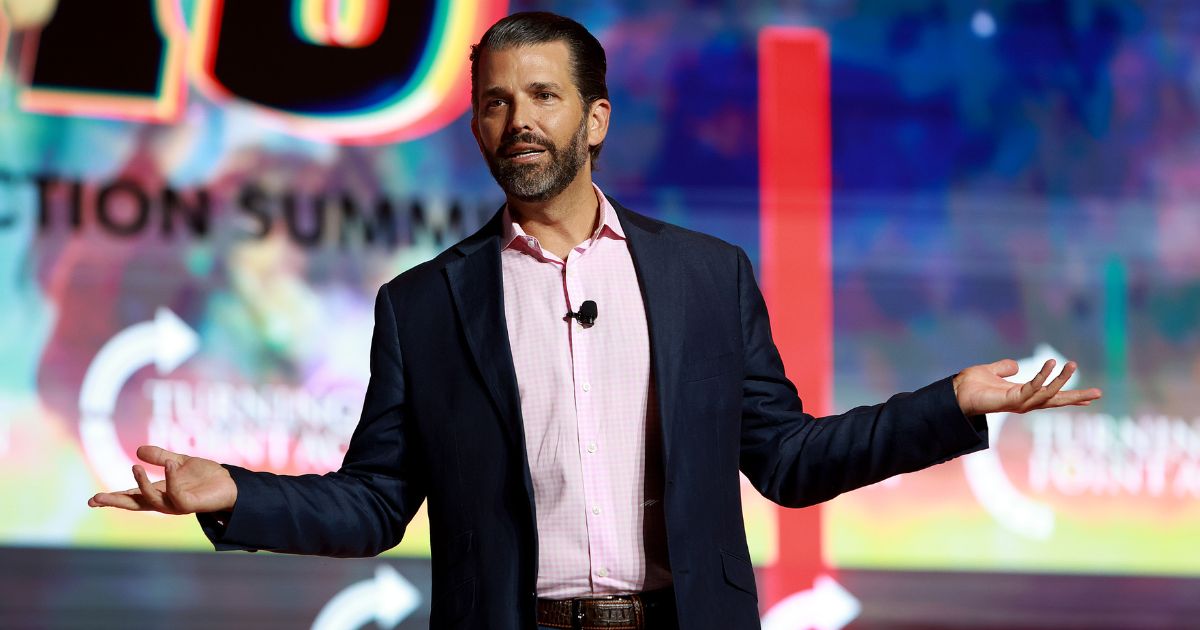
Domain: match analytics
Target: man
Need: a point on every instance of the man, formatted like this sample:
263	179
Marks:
581	468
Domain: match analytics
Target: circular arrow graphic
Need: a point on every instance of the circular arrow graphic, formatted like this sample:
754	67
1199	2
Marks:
825	606
387	599
166	342
985	474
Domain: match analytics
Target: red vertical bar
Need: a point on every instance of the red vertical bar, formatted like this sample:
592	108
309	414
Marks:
4	31
796	258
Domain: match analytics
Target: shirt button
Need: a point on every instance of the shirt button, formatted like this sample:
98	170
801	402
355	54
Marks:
591	447
595	509
587	387
603	572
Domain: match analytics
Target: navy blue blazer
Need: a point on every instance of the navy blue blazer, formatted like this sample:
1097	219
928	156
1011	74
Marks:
441	422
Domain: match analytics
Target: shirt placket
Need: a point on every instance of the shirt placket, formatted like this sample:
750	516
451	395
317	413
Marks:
597	510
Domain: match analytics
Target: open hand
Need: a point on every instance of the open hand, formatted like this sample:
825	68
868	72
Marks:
192	484
982	389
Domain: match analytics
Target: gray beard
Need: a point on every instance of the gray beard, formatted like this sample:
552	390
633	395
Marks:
538	182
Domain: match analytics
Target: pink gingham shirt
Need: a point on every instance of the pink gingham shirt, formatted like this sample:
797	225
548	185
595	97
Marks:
590	417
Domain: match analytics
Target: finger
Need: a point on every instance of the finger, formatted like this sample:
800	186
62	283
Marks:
172	483
1051	389
151	495
1081	397
1035	384
158	456
1004	368
127	500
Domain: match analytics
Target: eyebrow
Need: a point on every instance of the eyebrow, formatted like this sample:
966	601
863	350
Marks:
494	91
539	86
536	86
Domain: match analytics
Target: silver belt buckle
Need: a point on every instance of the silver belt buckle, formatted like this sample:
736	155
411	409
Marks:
576	613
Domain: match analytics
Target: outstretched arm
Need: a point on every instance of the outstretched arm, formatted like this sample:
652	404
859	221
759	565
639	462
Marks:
795	459
360	510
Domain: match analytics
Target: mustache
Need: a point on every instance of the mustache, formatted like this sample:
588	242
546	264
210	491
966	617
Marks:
526	137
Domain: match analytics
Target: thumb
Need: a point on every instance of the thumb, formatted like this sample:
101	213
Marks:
1004	368
159	456
171	467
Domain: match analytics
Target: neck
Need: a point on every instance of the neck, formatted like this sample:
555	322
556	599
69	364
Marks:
561	223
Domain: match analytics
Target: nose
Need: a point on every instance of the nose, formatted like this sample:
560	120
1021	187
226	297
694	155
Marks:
518	116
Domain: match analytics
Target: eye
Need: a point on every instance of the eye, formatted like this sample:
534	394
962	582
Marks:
545	96
493	103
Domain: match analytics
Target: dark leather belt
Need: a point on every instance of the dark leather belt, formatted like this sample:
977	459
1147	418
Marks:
640	611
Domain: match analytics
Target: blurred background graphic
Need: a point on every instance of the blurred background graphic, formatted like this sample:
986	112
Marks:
198	200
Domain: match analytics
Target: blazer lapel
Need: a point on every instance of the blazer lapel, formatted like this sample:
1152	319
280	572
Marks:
660	278
476	283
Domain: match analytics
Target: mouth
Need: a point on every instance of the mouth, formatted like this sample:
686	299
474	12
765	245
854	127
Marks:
524	153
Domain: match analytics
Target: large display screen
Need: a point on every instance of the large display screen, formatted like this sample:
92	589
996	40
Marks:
199	199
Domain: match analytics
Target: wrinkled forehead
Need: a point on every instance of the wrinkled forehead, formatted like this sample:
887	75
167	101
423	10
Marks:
518	67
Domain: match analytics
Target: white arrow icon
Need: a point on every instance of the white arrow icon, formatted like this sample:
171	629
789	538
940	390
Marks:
387	599
986	477
166	342
825	606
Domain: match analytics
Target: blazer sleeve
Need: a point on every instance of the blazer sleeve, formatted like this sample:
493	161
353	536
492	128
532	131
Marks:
364	507
797	460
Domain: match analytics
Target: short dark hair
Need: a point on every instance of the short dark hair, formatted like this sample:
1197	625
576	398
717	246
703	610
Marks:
588	63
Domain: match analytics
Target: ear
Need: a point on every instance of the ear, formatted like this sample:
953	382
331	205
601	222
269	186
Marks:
598	121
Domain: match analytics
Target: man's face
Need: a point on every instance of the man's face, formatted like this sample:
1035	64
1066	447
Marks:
529	120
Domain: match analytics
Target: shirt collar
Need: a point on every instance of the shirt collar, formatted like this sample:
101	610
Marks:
609	226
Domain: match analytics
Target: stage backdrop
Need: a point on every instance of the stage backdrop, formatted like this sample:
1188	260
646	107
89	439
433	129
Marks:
199	199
